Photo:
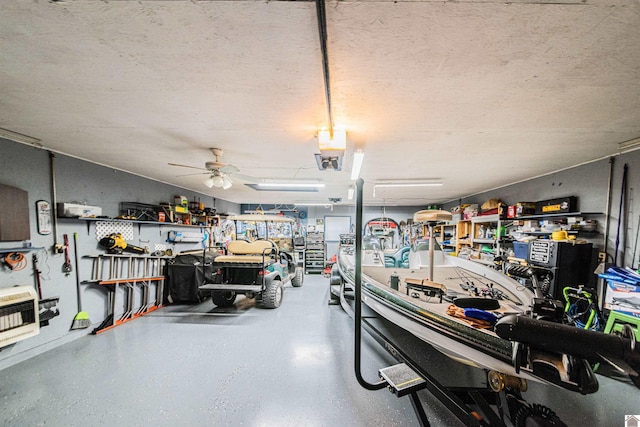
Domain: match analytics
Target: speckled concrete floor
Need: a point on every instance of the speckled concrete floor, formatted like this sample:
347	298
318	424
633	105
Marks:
204	366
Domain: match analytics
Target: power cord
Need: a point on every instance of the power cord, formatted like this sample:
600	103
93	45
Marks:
15	260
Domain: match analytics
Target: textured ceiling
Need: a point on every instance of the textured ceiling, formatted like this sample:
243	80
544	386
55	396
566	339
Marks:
477	93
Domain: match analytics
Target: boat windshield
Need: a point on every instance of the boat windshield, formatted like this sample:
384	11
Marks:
423	245
371	243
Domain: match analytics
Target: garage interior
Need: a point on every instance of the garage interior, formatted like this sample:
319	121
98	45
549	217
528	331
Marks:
176	115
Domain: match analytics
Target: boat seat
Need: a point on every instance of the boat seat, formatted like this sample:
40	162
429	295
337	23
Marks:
244	252
398	260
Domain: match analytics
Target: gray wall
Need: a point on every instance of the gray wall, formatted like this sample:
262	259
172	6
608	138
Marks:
28	168
589	182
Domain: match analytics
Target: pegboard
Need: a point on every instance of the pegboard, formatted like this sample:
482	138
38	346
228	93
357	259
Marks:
104	228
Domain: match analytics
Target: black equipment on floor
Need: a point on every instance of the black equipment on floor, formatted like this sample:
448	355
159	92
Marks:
186	274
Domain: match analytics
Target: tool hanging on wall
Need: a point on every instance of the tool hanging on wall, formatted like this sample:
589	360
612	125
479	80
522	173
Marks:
36	274
15	260
48	306
57	248
66	267
81	321
115	244
621	217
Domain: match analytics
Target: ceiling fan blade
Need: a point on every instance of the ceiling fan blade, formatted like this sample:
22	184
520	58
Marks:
247	178
186	166
229	169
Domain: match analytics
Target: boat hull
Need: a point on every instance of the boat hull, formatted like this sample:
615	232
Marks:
428	318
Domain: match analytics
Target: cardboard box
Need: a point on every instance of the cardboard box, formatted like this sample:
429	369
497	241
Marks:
622	297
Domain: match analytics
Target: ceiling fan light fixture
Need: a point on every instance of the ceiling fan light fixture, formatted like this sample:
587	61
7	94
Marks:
216	180
226	182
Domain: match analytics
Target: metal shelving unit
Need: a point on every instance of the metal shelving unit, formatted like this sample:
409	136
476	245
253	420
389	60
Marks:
314	253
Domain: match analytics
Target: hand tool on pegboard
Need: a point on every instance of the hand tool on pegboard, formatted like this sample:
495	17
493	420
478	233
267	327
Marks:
66	267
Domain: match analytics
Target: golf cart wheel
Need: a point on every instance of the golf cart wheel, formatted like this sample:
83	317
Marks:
223	299
272	295
298	278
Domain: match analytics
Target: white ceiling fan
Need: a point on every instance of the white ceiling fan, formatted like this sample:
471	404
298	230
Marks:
218	172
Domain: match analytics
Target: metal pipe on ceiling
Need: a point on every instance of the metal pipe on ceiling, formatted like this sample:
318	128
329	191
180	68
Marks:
322	29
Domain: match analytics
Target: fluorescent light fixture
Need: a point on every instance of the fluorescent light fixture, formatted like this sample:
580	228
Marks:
326	205
358	157
625	144
337	141
395	184
351	193
292	184
399	184
18	137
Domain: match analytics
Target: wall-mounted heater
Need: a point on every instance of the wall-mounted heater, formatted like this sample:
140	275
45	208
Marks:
19	317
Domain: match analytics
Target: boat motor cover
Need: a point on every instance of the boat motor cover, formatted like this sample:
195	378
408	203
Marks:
560	338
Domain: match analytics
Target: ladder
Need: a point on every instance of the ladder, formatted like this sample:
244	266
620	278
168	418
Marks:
111	271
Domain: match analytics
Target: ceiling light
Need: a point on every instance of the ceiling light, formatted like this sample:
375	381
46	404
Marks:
216	180
292	184
330	162
18	137
351	193
426	183
399	184
358	157
226	182
336	140
629	144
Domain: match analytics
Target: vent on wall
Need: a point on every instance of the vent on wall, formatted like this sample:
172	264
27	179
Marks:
19	317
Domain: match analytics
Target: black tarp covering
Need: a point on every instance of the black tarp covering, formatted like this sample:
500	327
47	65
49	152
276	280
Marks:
185	275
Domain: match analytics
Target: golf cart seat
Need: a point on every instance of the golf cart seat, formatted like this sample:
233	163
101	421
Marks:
243	252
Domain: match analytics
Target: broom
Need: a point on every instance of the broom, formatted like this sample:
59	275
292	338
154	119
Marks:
81	321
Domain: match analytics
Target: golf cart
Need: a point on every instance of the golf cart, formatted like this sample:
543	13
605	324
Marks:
259	262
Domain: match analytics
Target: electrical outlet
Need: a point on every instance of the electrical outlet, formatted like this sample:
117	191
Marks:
58	249
602	256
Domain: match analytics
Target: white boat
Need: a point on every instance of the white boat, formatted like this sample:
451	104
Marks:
422	303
